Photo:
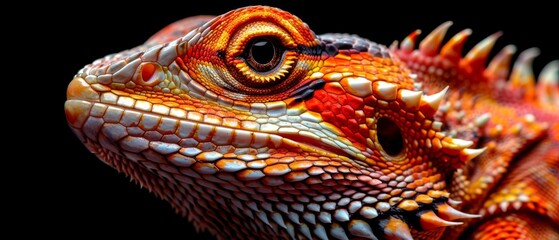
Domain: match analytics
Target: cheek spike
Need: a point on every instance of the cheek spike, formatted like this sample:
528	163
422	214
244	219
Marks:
469	153
410	98
429	220
449	213
432	102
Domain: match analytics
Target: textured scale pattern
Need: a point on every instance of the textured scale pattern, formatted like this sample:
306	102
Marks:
331	136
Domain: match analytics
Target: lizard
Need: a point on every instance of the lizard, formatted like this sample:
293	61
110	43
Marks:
252	126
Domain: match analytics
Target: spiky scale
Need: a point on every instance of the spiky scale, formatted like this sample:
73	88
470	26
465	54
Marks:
449	213
408	43
430	44
469	154
452	50
397	229
361	228
548	84
499	66
477	57
430	220
431	103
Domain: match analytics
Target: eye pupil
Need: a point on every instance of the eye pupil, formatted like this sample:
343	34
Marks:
263	51
263	54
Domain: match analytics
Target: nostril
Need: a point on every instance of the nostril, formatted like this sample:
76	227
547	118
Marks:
150	74
147	72
389	136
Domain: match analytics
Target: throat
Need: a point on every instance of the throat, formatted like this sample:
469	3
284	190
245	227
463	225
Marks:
207	202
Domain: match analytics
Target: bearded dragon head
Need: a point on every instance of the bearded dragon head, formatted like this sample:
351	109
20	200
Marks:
250	124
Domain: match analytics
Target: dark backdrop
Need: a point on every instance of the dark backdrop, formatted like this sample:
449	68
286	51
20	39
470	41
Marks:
69	192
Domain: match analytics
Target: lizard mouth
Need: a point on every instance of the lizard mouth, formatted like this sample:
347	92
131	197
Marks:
83	99
311	142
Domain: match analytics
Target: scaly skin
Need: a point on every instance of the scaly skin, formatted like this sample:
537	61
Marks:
335	137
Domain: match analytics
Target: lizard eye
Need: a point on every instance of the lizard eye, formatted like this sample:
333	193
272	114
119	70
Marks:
262	57
263	54
255	56
264	61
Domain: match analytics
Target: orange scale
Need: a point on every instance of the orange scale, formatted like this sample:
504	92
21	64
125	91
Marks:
330	62
384	167
371	72
328	116
358	56
354	102
344	61
394	105
289	154
138	97
371	162
187	107
509	228
311	158
341	99
348	111
339	176
315	104
334	163
326	105
321	163
343	169
353	125
198	105
334	88
351	177
120	93
212	110
343	55
355	66
341	120
286	160
171	104
330	169
271	161
370	104
320	95
346	130
412	185
129	90
276	170
363	129
326	69
334	106
155	100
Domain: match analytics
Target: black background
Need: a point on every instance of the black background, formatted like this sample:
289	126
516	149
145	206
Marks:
66	191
